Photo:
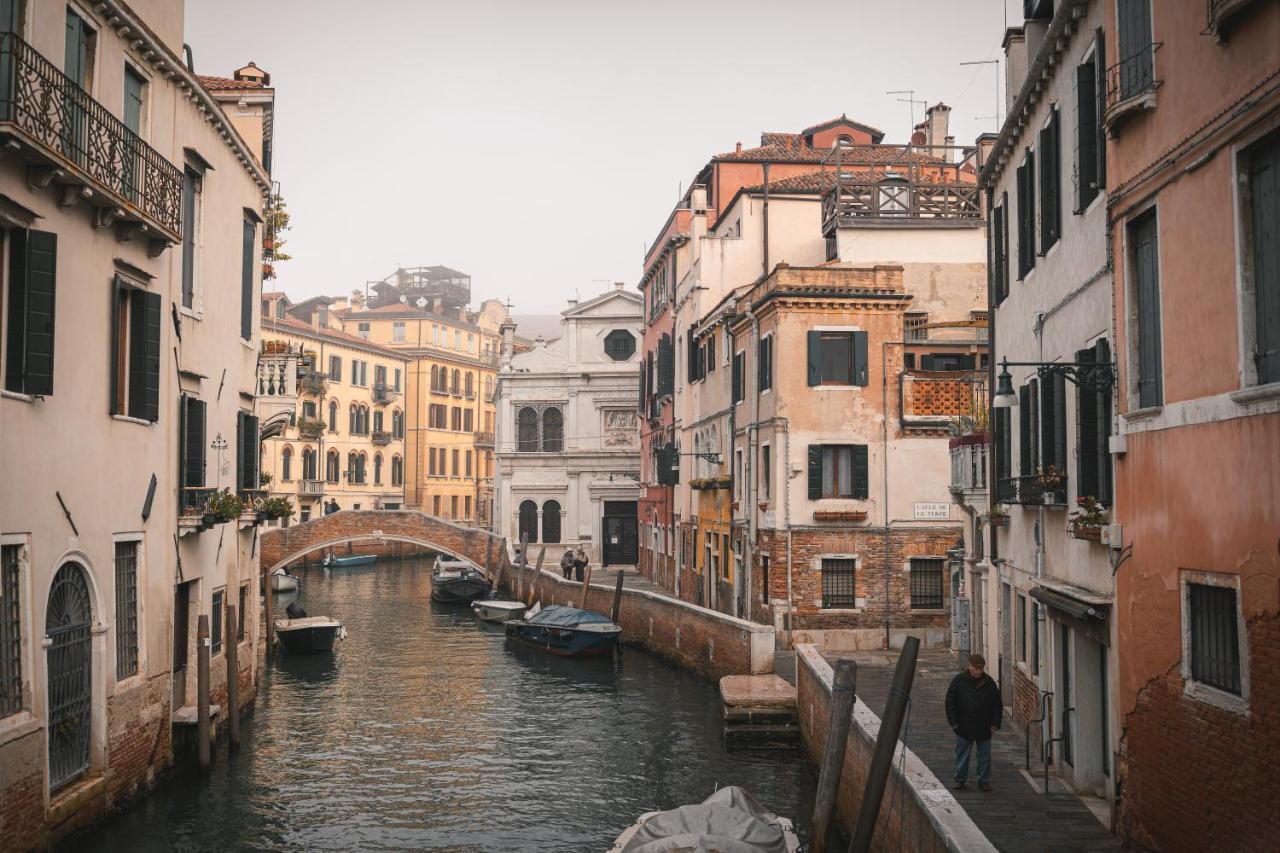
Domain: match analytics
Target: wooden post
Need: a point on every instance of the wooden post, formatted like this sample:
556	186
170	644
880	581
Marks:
521	562
491	573
842	696
617	599
537	574
233	675
202	691
269	629
586	584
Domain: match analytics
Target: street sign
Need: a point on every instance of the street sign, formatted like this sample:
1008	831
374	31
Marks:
933	511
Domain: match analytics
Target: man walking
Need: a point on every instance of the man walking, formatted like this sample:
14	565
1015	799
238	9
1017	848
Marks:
974	713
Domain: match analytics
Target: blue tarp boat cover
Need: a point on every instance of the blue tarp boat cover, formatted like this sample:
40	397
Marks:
566	617
729	821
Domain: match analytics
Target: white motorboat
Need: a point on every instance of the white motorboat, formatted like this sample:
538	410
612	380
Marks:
282	581
729	819
493	610
309	634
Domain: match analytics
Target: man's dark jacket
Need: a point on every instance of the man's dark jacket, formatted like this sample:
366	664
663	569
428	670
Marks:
973	706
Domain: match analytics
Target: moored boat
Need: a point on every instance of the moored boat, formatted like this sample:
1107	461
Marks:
309	634
456	582
566	631
729	819
493	610
333	562
282	581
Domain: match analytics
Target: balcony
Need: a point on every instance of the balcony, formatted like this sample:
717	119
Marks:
1130	88
936	399
901	185
311	428
312	382
384	393
484	439
969	463
310	488
69	138
1033	490
380	437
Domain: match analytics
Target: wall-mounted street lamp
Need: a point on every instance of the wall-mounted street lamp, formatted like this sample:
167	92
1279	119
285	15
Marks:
1090	375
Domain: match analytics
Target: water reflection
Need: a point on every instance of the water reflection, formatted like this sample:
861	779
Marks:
427	730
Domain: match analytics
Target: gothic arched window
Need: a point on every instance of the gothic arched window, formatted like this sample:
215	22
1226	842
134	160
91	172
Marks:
286	464
551	521
527	430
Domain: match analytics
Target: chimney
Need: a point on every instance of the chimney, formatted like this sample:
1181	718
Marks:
738	149
1015	64
357	300
937	118
319	318
508	332
340	303
619	285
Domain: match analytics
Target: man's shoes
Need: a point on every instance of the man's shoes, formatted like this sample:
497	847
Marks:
983	786
957	784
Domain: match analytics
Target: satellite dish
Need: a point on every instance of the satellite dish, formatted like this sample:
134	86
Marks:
422	301
404	298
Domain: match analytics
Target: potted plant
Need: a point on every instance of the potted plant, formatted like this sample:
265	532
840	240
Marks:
1087	521
225	506
1050	482
264	478
276	508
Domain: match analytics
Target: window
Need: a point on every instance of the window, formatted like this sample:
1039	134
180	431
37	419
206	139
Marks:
488	389
191	182
999	239
377	422
215	622
619	345
837	358
764	578
309	471
455	386
248	451
1213	622
431	461
333	416
1021	625
1050	183
466	506
1133	18
332	470
1093	429
32	282
1091	150
1026	214
286	464
397	424
927	582
397	471
838	576
126	609
529	521
1028	435
551	521
1144	252
469	385
764	364
765	472
467	469
457	339
913	325
335	368
739	363
437	416
666	365
453	506
457	469
456	419
552	431
248	245
360	373
396	386
397	333
363	330
135	373
1053	422
726	570
468	420
192	430
435	506
838	471
710	347
10	630
1261	227
377	469
380	375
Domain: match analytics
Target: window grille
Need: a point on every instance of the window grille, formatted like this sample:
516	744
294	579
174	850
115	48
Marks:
10	633
619	345
838	588
927	584
1215	639
126	609
215	629
914	323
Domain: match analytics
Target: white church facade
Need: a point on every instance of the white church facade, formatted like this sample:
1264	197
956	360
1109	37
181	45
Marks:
568	440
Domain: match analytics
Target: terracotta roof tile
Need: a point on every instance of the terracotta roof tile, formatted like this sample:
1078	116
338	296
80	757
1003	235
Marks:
292	324
216	83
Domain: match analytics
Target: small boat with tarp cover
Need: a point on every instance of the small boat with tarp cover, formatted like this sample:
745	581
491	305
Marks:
565	631
728	820
456	582
332	562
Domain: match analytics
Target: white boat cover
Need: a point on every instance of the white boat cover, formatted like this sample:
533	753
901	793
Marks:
728	821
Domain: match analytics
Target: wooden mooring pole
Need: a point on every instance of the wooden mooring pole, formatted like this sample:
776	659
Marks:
537	573
586	585
617	599
522	561
202	692
895	709
233	676
268	629
842	696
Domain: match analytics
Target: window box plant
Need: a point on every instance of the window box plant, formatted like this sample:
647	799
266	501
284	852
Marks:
276	508
225	507
839	515
998	516
1087	522
310	427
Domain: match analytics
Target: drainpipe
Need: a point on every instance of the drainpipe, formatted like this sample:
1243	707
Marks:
765	224
786	512
750	493
733	426
884	432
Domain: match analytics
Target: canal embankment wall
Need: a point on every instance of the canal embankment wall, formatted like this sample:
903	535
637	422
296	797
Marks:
918	813
704	641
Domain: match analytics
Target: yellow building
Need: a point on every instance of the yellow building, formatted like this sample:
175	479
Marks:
453	356
346	440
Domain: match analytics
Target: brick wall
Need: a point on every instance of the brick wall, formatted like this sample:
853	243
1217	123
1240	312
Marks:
22	792
1196	777
1026	707
917	813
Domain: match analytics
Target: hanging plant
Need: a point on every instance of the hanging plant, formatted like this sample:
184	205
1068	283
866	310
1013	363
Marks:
226	506
276	508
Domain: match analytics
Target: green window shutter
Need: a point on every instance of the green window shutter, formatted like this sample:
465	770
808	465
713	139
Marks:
666	365
860	369
1102	354
32	298
691	365
1086	138
247	299
144	355
861	472
815	472
1264	204
1026	458
240	451
814	339
194	443
1086	434
1100	94
182	442
737	378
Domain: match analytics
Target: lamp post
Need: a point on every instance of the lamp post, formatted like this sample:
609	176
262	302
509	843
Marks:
1097	376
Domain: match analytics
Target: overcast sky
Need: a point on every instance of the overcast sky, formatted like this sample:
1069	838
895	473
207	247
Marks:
540	144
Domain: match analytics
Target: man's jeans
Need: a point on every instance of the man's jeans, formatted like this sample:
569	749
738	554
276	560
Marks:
964	747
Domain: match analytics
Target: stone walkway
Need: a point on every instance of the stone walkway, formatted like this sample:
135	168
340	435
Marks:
1014	816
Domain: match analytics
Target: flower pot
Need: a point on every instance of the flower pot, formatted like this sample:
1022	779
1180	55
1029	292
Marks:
1087	533
998	520
208	520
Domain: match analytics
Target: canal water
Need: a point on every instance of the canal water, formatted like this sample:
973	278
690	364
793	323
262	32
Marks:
426	730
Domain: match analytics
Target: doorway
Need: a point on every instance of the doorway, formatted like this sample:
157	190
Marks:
181	641
67	622
621	534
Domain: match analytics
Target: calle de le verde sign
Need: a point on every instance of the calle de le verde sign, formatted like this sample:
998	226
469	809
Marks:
933	511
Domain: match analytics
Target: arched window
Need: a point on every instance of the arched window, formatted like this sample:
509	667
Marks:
309	464
360	468
529	521
488	389
286	464
397	424
332	472
377	469
435	377
471	387
551	521
397	471
68	621
844	140
552	431
333	416
353	420
527	430
456	385
351	467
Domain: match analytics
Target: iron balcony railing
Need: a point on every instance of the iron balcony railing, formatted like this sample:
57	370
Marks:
311	488
383	394
47	110
380	437
1032	490
193	499
1128	80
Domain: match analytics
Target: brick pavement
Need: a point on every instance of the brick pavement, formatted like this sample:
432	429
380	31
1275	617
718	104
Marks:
1013	816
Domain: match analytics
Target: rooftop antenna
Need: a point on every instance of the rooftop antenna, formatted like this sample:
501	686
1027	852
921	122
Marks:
996	63
910	99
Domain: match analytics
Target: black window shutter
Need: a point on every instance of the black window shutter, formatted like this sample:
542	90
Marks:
1059	383
737	377
815	472
33	285
860	369
711	353
118	304
246	280
644	375
240	452
1100	95
1086	139
182	442
861	474
815	357
1143	239
1026	458
1102	354
1031	210
1086	434
194	444
1002	282
144	355
1050	204
666	365
1048	423
1033	404
1264	205
691	363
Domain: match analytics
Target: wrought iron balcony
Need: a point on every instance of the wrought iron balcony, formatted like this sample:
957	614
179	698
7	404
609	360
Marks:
311	488
312	382
380	437
484	439
193	499
938	398
310	427
384	393
1130	87
69	137
1033	490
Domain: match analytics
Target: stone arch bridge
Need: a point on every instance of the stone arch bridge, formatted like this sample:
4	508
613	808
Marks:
283	545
